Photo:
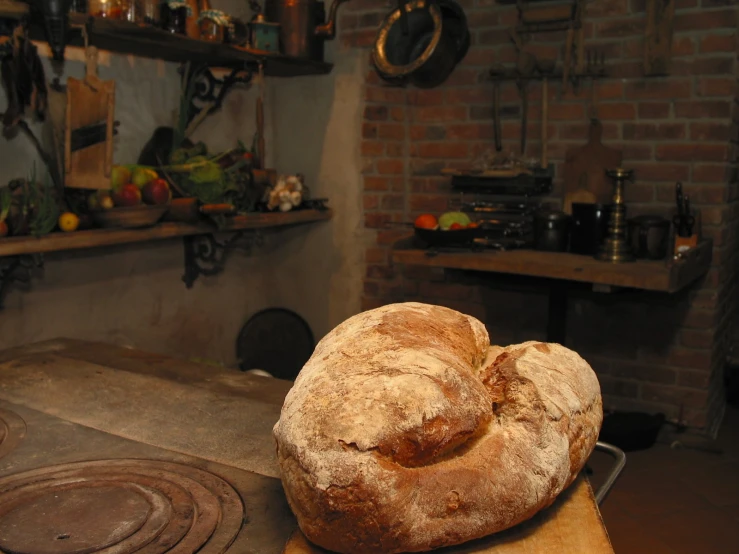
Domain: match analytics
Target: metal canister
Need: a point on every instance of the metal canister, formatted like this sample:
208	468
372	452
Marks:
265	35
551	231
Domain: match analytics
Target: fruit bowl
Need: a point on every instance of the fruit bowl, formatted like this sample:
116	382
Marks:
439	237
130	217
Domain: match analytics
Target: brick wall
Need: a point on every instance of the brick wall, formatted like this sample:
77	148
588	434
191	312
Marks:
651	351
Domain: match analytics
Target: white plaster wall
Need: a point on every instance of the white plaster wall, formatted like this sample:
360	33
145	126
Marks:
134	295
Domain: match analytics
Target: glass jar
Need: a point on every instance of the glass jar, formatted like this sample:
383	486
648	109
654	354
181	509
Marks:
150	12
132	11
109	9
174	16
213	24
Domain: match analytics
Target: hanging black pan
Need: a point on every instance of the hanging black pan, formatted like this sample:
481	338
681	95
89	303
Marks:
421	42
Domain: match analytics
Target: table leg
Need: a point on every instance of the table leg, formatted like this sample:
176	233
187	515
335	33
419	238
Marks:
557	315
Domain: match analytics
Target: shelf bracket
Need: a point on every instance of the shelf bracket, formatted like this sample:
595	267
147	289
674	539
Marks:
17	269
205	255
209	90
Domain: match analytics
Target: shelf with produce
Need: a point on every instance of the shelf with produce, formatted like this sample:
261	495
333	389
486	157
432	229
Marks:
123	37
94	238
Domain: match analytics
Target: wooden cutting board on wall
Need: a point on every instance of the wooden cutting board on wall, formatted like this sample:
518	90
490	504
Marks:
585	177
88	140
571	525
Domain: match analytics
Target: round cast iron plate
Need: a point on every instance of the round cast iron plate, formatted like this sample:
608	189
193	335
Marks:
12	431
123	506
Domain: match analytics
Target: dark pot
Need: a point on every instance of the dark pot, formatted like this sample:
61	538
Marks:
631	430
422	45
648	235
589	227
551	231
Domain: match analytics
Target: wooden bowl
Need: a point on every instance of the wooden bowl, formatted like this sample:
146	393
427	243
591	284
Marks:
130	217
437	237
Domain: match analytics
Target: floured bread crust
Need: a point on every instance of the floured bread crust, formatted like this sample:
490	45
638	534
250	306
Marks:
406	431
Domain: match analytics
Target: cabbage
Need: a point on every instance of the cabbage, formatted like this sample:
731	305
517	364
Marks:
446	220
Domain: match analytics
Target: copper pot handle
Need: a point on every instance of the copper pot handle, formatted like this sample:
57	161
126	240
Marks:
328	30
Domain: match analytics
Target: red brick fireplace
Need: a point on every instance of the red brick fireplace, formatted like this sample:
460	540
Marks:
653	352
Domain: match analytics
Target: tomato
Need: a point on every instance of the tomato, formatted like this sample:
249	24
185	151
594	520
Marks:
3	229
426	221
455	226
473	225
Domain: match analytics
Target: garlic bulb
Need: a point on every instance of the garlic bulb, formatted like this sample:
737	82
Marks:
287	193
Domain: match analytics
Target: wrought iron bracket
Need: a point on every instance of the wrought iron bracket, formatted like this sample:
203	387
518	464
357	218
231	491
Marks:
17	269
205	255
211	90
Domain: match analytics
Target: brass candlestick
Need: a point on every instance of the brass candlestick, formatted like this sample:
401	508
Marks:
615	247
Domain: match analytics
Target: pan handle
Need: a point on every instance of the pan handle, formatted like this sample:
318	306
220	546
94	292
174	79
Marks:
618	466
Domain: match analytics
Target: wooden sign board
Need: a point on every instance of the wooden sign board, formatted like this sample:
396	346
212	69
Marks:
88	140
585	177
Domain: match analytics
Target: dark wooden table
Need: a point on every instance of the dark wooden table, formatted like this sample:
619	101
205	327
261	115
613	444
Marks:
562	268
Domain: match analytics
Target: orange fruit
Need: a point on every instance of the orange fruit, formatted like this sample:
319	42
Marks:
426	221
68	222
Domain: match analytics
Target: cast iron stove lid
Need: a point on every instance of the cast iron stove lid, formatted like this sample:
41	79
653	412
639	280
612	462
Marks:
121	506
12	431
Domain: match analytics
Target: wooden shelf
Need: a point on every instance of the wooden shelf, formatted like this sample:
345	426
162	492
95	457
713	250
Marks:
123	37
55	242
670	276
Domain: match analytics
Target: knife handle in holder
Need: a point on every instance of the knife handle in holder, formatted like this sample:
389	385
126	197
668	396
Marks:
685	243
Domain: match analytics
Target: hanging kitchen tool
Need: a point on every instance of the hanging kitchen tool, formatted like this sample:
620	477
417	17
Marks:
523	90
88	141
525	68
658	37
22	78
260	161
275	340
546	68
421	42
585	168
495	72
302	28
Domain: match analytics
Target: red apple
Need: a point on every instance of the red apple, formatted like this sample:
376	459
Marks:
157	192
127	195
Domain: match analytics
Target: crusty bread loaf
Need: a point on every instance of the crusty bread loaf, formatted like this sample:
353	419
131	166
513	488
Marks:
406	431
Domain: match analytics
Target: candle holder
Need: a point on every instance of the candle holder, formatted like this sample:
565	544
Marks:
616	248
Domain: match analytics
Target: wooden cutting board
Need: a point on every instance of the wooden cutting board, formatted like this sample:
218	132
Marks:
571	525
88	140
585	170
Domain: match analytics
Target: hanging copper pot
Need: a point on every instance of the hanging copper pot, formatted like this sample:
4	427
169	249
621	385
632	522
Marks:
302	27
421	42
